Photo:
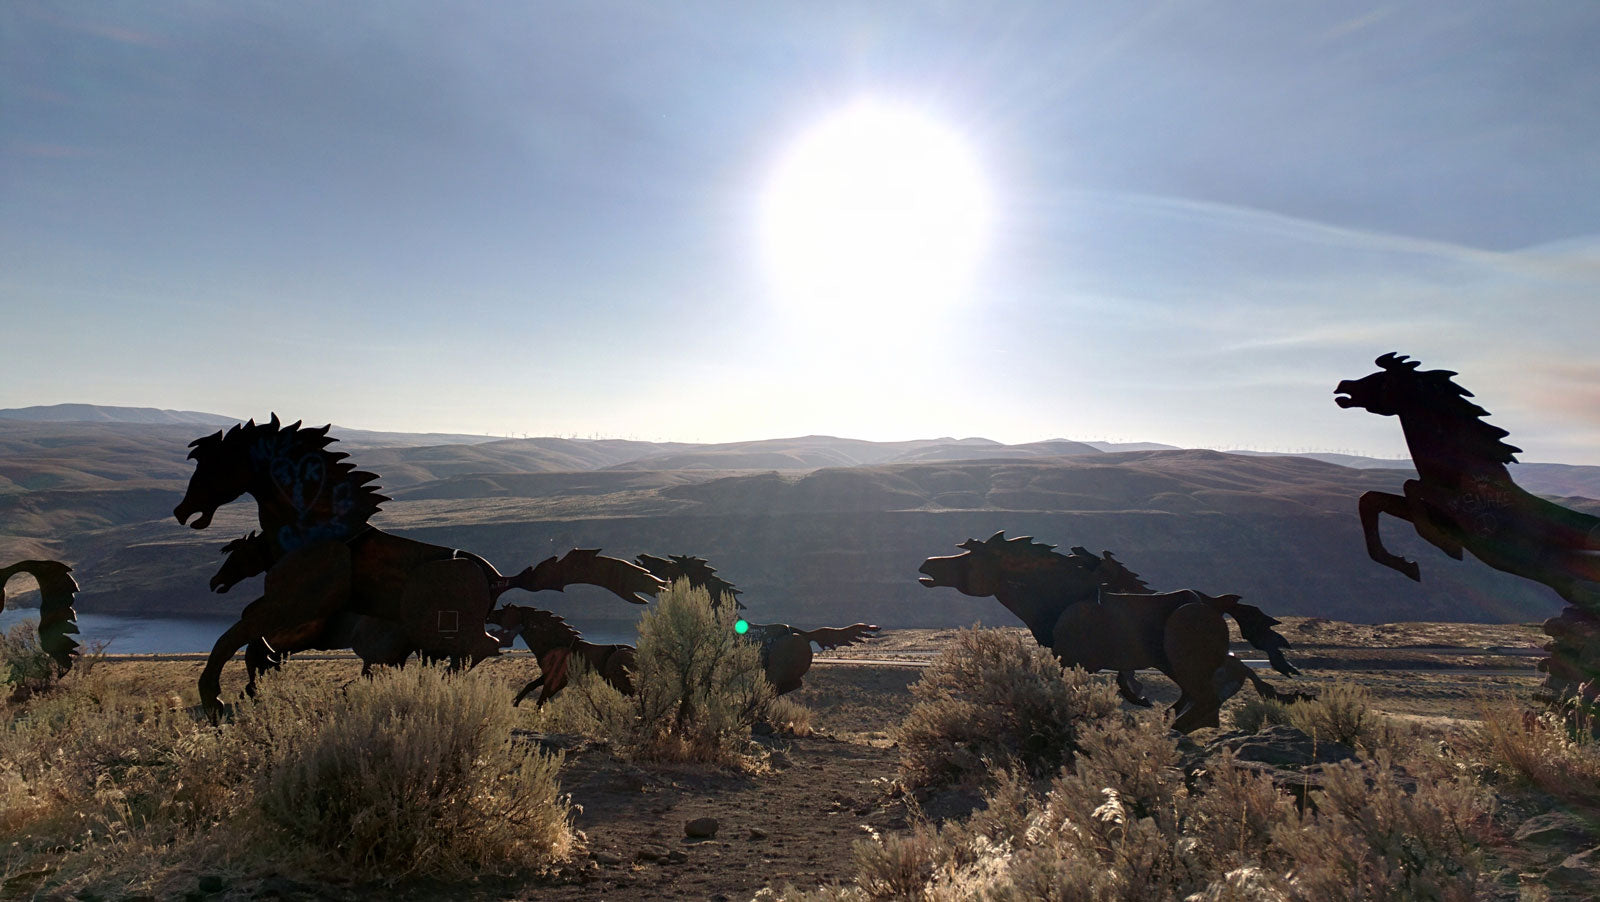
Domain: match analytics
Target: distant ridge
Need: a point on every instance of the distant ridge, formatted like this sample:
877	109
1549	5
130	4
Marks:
96	413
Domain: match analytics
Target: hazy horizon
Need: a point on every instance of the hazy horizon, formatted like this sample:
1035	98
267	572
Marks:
710	222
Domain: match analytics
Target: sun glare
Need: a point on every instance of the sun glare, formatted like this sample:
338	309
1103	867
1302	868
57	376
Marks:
877	209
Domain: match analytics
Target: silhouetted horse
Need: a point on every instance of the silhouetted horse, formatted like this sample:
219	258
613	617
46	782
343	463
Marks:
1464	496
554	642
327	567
1060	599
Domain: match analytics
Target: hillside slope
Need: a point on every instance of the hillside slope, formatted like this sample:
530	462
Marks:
843	544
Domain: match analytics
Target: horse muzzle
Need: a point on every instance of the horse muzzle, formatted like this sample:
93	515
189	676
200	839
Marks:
1345	389
184	511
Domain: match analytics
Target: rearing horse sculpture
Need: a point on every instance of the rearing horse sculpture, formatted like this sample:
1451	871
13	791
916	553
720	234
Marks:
1061	599
1464	497
327	565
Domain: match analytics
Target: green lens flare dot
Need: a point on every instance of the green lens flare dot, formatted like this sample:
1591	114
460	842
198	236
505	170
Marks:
741	626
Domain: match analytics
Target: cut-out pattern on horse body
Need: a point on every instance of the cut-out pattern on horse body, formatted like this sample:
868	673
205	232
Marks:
786	654
1064	602
333	579
58	621
1464	497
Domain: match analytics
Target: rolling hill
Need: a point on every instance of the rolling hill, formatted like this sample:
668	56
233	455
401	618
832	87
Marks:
809	543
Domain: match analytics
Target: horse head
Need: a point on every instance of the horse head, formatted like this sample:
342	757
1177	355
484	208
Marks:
222	473
1401	388
983	568
246	556
1387	392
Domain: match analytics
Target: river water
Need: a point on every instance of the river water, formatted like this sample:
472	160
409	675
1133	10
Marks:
154	635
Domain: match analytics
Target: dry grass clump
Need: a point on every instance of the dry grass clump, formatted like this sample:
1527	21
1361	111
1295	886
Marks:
995	698
1254	713
410	773
25	668
1555	752
698	689
1123	824
1343	712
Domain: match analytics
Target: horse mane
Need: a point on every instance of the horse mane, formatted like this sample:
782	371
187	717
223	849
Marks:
1439	392
697	570
262	443
546	625
1025	557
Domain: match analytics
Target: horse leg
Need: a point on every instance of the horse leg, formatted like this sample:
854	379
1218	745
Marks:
211	677
1421	506
1132	692
1371	505
528	690
1195	640
259	657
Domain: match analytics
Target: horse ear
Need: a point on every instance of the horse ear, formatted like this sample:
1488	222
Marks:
274	424
970	545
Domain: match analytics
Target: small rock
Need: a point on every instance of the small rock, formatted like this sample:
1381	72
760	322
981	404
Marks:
677	856
650	853
212	883
757	833
608	859
1576	870
1555	828
701	828
1280	746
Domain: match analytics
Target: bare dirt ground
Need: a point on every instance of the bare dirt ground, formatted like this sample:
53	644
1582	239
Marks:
797	820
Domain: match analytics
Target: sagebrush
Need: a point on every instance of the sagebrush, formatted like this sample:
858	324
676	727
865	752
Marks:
993	698
698	689
1122	822
410	773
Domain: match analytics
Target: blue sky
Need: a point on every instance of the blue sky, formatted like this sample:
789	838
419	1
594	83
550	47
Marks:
542	218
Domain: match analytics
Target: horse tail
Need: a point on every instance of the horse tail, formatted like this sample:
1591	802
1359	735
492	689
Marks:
1256	626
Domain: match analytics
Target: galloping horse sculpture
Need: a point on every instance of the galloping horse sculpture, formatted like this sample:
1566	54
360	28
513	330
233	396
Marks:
57	620
1061	599
554	642
327	567
785	651
1464	498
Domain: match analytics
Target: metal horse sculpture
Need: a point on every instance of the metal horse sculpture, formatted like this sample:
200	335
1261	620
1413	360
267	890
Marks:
785	651
555	642
57	619
327	568
1464	497
1061	599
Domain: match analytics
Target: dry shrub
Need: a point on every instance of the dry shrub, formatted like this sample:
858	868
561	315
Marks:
1546	750
25	668
102	788
408	773
698	689
1374	838
1255	713
789	716
995	698
1123	823
1343	712
414	771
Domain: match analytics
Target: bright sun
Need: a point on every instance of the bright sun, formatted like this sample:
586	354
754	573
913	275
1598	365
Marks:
877	209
